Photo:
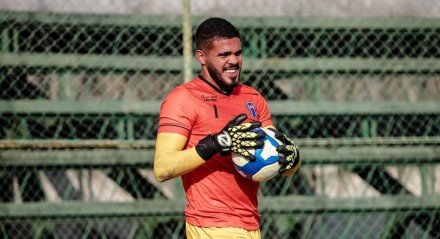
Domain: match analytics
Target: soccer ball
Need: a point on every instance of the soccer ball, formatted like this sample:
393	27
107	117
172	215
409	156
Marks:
266	163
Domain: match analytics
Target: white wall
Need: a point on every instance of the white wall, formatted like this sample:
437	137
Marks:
297	8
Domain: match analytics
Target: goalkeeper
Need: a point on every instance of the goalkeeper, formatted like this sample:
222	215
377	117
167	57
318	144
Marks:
200	123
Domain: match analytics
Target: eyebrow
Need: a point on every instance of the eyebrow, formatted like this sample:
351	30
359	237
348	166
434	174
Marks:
227	53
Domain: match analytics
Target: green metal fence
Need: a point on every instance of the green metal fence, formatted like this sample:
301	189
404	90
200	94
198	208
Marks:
78	117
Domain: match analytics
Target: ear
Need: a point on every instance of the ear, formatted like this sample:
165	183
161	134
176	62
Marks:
200	57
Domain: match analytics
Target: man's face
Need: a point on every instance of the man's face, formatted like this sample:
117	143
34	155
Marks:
223	63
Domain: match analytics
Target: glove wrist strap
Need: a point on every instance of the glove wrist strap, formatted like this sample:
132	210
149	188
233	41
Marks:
206	147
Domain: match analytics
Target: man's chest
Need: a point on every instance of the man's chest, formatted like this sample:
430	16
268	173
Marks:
214	113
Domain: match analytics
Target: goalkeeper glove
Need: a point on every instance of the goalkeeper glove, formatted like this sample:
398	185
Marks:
234	137
289	152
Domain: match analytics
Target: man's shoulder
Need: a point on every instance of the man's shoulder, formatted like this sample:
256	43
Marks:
246	89
180	90
183	92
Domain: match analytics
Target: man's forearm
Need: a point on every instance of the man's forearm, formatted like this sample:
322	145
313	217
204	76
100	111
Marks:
174	164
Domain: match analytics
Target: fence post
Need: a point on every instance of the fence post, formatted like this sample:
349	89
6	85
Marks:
187	32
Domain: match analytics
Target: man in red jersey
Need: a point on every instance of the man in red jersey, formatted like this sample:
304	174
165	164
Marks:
200	123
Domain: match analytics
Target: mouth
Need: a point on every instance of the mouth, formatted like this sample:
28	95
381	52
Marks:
232	72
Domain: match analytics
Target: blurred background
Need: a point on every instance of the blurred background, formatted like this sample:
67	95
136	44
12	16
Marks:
355	83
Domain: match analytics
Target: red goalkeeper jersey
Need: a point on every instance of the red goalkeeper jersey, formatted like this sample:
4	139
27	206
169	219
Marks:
217	195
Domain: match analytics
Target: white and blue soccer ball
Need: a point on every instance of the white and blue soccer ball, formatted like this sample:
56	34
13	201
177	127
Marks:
266	163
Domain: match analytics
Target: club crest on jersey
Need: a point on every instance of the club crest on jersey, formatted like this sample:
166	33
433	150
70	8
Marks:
251	108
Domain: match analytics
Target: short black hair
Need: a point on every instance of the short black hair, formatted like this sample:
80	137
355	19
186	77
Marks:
213	29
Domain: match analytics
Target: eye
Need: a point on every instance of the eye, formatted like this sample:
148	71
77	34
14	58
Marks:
224	54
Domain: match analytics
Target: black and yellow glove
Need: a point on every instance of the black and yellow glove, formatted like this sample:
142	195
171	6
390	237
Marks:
234	137
289	152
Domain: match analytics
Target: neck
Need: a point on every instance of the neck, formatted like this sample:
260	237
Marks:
215	86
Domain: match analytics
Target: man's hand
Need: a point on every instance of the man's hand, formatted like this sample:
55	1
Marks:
289	152
234	137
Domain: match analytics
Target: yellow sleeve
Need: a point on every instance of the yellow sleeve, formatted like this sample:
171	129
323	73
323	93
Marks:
292	170
170	160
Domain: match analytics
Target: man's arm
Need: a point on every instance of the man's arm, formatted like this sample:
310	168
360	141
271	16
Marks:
170	160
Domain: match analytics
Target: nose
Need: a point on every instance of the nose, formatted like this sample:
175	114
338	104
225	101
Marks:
234	59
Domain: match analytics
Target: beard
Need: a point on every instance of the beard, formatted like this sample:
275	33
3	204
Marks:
222	83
